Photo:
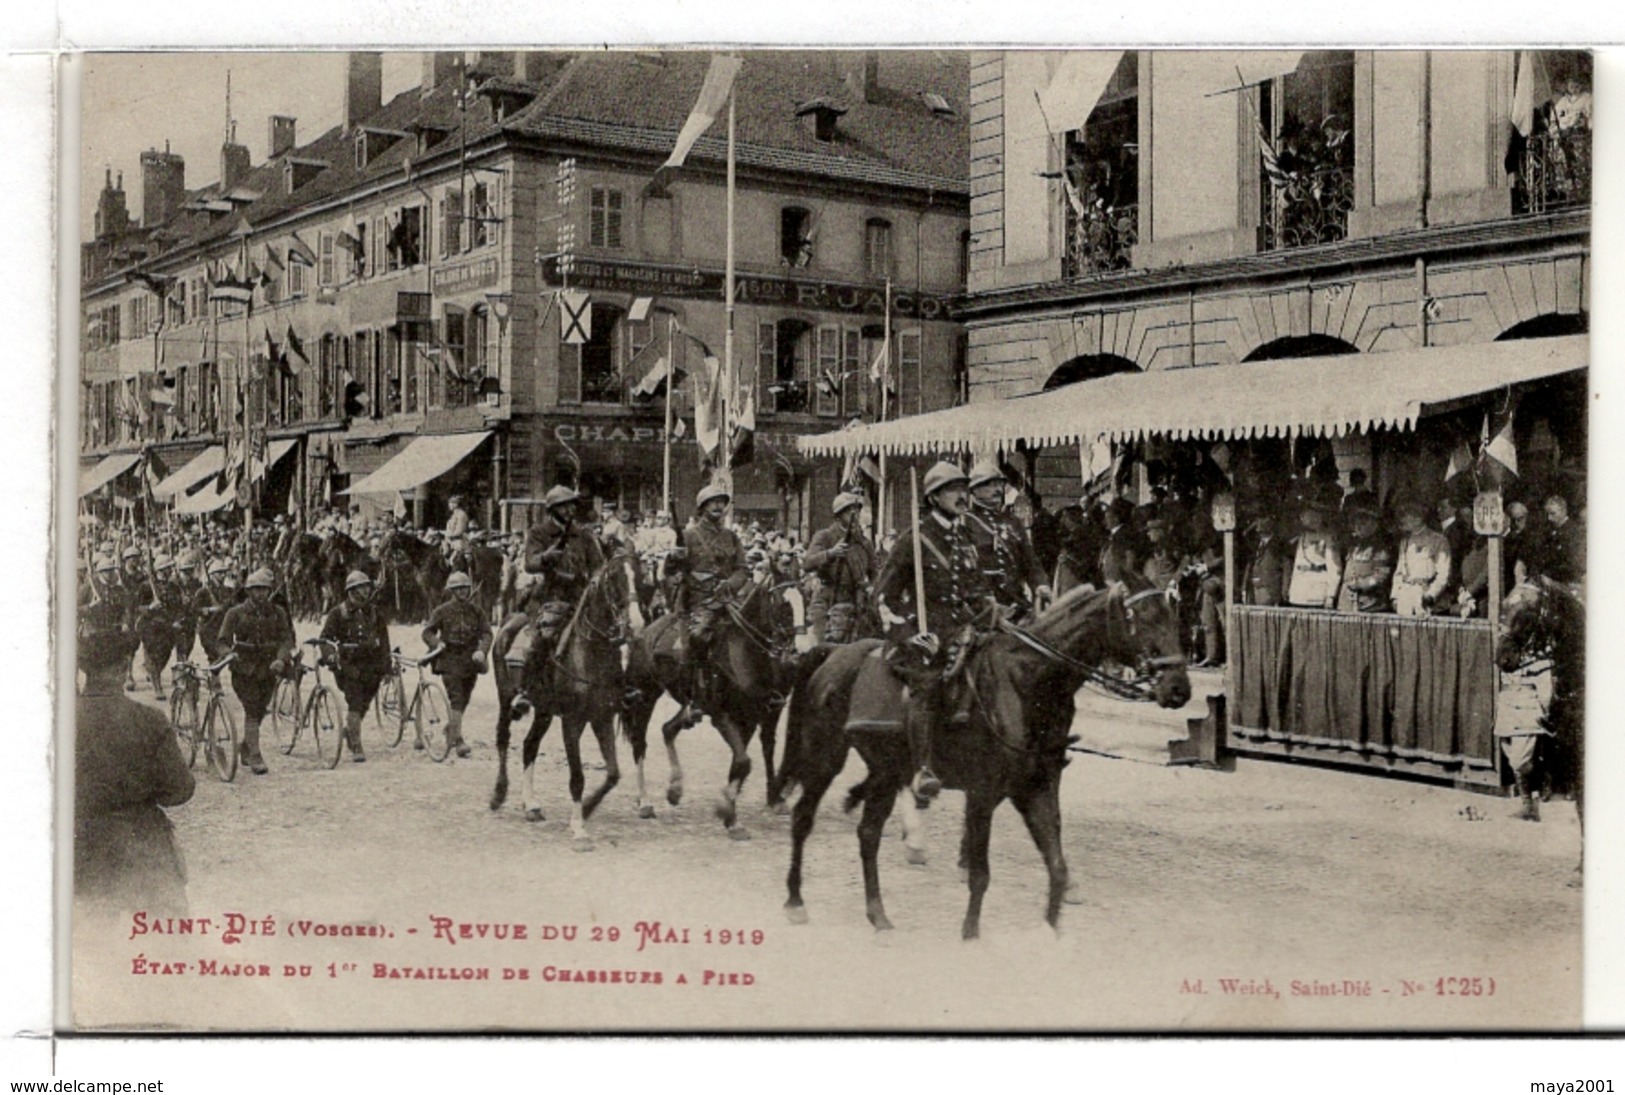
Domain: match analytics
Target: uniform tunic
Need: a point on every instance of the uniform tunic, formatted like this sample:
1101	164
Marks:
1366	574
209	607
463	628
956	589
1317	571
1421	571
563	576
258	635
1008	560
363	639
843	581
715	563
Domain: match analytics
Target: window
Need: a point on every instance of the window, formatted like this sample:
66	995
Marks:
604	226
411	363
600	374
1306	152
783	359
877	256
1551	162
479	327
451	222
326	375
454	359
393	356
908	368
795	237
358	250
297	273
1101	184
854	371
483	212
405	242
325	274
827	384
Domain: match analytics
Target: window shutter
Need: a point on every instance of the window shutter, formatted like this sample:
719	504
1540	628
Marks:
828	398
767	360
569	373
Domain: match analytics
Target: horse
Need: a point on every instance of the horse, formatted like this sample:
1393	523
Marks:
303	576
1543	619
485	564
425	568
338	556
1019	686
581	683
751	670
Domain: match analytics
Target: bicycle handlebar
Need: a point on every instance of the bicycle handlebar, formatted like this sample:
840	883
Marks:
223	662
412	663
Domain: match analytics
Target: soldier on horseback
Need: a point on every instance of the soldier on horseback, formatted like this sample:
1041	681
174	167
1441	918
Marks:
1008	560
564	556
844	561
714	567
460	626
955	593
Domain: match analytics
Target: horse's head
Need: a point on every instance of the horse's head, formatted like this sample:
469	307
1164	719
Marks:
1145	633
614	592
1540	618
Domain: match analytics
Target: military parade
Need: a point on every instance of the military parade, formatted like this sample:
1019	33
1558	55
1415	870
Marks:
971	512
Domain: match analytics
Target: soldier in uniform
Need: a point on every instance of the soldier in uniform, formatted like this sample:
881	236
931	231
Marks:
845	564
357	624
462	629
1008	560
213	598
714	568
160	621
260	632
563	556
456	529
1421	564
956	593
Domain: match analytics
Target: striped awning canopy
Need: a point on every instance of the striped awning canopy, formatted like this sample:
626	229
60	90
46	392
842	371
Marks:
424	459
194	471
1318	396
109	469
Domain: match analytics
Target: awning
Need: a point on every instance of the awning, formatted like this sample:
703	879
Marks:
1320	396
1249	67
424	459
108	470
206	500
200	467
1075	86
276	451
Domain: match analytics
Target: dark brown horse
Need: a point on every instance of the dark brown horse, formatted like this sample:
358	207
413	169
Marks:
337	557
415	573
1018	687
581	683
752	655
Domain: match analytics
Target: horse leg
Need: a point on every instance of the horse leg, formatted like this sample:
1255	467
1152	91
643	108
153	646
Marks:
1042	813
573	725
979	807
499	794
913	828
876	809
770	745
635	720
532	747
813	787
603	728
727	807
674	780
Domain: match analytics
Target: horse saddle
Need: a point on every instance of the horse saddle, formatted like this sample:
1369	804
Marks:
880	698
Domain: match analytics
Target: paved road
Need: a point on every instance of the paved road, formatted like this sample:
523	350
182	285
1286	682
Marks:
1197	886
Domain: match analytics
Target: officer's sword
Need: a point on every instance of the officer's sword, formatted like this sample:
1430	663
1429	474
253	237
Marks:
919	562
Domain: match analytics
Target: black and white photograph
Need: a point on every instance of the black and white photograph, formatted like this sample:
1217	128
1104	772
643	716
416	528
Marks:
922	540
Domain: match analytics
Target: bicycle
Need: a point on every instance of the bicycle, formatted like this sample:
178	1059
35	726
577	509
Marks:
217	730
290	713
428	709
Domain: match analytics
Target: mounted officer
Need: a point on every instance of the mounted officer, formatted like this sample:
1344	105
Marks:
461	627
457	530
713	569
1008	560
956	593
841	556
260	632
564	556
357	624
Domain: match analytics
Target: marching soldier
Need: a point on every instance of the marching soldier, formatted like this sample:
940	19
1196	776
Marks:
260	632
844	561
563	556
714	568
160	622
460	627
1008	559
357	624
955	591
217	594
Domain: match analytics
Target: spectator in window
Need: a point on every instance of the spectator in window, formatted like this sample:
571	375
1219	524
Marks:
1573	107
1317	563
1422	562
1368	563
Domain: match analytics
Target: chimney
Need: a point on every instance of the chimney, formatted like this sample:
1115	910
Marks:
112	217
363	87
163	185
860	72
439	68
282	135
235	164
500	63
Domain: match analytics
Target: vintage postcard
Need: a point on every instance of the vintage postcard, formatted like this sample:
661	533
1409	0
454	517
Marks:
948	540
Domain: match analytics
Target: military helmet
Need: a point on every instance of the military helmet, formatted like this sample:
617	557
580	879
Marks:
559	495
845	501
985	471
186	559
260	579
219	566
132	552
710	493
162	562
943	474
459	580
356	580
105	564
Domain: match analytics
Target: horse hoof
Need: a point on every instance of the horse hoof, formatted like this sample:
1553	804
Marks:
796	914
533	814
646	812
1073	894
970	934
781	809
964	877
582	844
916	857
738	832
674	796
881	922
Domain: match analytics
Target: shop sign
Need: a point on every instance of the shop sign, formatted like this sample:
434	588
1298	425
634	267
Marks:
573	433
481	273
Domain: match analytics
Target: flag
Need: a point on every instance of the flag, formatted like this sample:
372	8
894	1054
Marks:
877	371
1499	456
679	429
1461	459
719	82
743	425
300	251
1075	86
868	466
650	382
295	349
230	287
640	309
828	383
272	258
1531	90
707	402
1278	176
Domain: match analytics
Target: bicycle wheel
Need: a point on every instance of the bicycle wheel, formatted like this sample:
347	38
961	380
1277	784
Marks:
389	708
327	725
183	720
221	739
284	712
431	713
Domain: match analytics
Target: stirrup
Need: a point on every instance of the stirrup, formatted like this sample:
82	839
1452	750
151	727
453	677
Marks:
926	786
519	706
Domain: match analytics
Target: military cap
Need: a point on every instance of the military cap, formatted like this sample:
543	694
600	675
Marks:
942	474
985	471
459	580
559	495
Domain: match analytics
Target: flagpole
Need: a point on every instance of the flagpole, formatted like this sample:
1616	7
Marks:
671	373
883	518
728	380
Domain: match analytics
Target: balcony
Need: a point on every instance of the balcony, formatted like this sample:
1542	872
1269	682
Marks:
1554	171
1099	238
1306	207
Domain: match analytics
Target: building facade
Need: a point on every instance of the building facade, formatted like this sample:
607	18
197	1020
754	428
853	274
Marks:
316	316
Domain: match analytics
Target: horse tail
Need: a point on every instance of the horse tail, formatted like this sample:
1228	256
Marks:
796	732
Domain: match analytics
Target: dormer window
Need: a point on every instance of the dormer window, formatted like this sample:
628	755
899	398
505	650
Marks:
938	106
825	115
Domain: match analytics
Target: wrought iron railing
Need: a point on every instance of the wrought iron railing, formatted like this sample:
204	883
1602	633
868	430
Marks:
1305	208
1554	172
1099	238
